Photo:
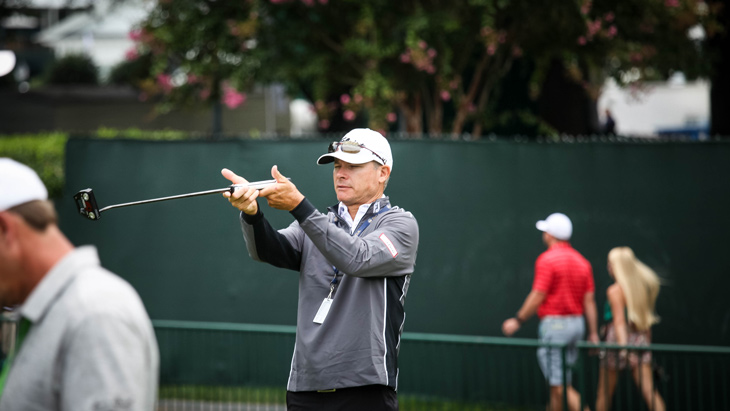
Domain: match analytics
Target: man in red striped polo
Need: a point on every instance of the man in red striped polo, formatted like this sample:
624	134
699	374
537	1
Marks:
562	294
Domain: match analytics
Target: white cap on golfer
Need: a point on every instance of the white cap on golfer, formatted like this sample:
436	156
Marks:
557	225
360	146
19	184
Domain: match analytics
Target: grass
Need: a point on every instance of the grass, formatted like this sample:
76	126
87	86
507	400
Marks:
269	395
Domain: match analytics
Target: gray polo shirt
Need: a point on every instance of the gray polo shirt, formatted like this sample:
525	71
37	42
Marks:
91	345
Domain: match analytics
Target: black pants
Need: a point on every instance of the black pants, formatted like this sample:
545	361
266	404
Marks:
366	398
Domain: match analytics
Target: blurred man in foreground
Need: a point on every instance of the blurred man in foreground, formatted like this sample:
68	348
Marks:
562	293
355	264
84	339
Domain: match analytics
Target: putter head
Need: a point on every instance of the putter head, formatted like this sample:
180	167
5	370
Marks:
86	203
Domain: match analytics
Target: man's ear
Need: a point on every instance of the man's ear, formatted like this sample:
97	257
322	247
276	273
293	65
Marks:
6	230
4	223
8	227
384	173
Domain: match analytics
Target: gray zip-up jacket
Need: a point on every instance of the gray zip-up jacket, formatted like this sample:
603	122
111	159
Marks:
358	342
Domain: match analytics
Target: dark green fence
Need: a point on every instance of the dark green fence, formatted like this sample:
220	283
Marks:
437	372
686	377
476	204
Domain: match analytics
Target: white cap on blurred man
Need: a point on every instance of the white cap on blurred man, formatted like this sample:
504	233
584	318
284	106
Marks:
19	184
360	146
557	225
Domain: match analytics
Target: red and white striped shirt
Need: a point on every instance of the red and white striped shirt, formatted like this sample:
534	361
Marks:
565	276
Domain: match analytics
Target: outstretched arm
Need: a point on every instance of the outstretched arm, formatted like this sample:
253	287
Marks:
283	195
264	243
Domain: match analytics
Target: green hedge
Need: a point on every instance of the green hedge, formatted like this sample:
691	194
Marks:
45	152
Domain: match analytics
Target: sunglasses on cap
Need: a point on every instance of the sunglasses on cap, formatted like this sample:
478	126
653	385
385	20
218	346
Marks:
351	147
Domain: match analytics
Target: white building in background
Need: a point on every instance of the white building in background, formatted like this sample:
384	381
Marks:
101	33
658	108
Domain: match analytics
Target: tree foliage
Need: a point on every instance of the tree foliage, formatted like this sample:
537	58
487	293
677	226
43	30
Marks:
434	63
201	51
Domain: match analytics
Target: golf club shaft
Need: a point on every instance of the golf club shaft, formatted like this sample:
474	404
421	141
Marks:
255	184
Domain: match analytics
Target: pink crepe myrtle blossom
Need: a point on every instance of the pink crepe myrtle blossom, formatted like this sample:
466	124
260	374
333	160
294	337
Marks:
131	54
357	98
612	31
233	28
135	35
348	115
585	8
344	99
165	83
671	3
609	17
324	124
445	95
582	40
391	117
232	98
593	27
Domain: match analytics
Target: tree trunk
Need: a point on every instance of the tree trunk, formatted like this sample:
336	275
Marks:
494	76
463	110
413	111
436	120
564	104
217	110
217	120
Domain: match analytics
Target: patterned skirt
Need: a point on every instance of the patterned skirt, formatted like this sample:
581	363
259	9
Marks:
613	357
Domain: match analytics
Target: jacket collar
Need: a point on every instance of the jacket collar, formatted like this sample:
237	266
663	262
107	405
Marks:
375	207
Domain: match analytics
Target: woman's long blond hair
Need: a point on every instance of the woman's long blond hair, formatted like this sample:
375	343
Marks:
640	285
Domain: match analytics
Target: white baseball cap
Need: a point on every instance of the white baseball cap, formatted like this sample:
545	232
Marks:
19	184
360	146
557	225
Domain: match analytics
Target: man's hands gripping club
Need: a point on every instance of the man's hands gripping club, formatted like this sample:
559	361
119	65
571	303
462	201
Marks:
282	196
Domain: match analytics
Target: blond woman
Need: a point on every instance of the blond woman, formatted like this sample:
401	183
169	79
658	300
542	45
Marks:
630	315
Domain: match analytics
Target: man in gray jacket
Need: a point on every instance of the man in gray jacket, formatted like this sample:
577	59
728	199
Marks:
355	265
84	339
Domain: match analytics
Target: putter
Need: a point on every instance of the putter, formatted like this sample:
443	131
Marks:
89	208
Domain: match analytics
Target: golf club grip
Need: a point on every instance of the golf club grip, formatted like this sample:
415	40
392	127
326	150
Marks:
254	184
